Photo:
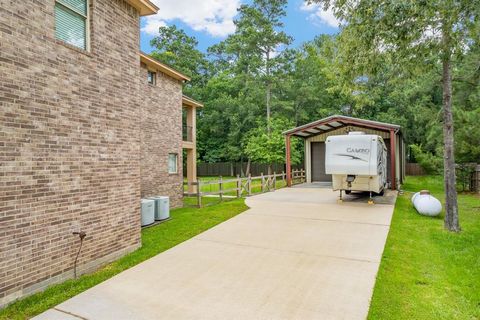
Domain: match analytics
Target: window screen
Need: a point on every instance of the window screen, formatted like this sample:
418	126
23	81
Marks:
71	22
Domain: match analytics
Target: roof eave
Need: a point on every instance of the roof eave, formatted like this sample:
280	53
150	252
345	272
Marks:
144	7
153	63
342	119
191	102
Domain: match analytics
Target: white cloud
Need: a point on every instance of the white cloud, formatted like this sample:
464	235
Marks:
152	24
214	17
319	15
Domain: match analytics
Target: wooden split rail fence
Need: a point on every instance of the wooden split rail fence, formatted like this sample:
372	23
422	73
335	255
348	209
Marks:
246	186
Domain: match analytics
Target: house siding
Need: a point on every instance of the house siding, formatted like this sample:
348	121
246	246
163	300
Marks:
69	143
161	134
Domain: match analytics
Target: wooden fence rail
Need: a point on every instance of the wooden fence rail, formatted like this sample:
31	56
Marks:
234	168
245	186
475	182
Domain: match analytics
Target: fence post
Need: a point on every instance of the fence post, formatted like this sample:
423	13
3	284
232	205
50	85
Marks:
274	180
199	194
249	183
239	186
477	179
262	183
220	188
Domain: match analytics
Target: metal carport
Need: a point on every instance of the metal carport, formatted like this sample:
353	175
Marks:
315	133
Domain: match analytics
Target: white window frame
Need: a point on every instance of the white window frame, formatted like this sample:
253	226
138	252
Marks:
176	163
87	24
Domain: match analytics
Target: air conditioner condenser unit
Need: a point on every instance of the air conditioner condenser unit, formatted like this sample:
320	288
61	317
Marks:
162	207
148	212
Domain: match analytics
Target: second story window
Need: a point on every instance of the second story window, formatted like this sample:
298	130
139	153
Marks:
71	22
151	77
172	163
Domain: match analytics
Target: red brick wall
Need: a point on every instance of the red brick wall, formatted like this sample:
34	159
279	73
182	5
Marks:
161	135
69	143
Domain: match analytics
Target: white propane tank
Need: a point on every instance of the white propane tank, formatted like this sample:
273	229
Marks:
426	204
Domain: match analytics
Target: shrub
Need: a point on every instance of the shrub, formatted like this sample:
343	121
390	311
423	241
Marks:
431	163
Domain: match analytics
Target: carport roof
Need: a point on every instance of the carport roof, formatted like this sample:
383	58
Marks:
336	121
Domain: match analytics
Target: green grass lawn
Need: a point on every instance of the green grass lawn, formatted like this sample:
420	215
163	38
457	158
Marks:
184	224
427	272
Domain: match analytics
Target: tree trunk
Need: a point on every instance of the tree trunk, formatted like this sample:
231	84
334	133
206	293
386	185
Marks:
247	171
242	173
296	105
451	206
268	91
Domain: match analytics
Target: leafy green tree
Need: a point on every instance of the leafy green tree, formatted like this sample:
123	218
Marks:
309	84
245	65
229	114
175	48
467	102
259	32
269	148
429	162
411	31
467	135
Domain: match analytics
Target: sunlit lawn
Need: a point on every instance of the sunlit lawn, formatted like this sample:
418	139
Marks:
427	272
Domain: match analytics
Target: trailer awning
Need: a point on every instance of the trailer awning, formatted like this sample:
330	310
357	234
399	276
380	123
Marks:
335	122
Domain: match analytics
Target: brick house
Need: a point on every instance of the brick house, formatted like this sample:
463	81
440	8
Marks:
89	125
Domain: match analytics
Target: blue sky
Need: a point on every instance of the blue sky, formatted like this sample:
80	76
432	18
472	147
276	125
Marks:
210	21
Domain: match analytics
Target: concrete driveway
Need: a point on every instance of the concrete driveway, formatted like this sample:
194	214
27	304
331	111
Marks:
296	254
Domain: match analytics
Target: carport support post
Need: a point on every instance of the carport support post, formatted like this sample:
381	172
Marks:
393	169
288	164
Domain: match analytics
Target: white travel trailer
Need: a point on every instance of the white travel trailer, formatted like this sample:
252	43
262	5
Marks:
357	162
